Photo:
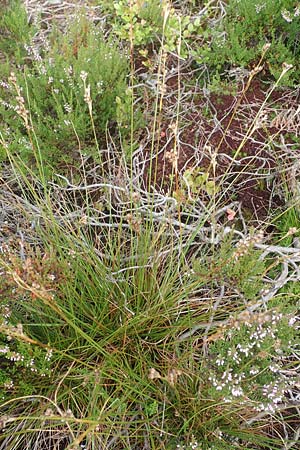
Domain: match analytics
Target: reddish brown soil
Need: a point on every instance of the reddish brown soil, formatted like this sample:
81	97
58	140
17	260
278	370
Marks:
215	125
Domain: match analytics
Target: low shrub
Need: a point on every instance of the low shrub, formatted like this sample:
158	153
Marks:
15	32
238	40
60	104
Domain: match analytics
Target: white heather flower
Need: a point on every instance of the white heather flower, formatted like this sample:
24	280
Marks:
37	57
67	108
42	69
4	349
99	87
259	7
9	384
286	15
14	356
28	49
4	84
49	355
292	321
237	391
83	75
6	312
220	361
236	358
227	375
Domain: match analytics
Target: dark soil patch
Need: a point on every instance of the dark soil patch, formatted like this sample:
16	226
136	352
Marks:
237	139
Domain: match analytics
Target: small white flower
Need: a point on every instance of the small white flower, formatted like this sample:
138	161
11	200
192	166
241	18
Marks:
292	321
87	94
237	391
286	15
254	371
4	84
4	349
83	75
67	108
9	384
49	355
220	361
259	7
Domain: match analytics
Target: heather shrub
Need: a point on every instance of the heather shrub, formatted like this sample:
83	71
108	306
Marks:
61	103
15	32
238	39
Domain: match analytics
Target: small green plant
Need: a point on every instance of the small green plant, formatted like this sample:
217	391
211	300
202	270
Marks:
198	179
154	21
138	21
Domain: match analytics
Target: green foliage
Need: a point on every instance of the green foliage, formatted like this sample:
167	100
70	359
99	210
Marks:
198	179
114	330
243	363
236	267
180	33
139	21
135	326
22	363
153	21
287	225
239	38
80	67
15	31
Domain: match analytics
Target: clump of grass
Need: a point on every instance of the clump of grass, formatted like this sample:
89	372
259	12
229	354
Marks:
127	365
